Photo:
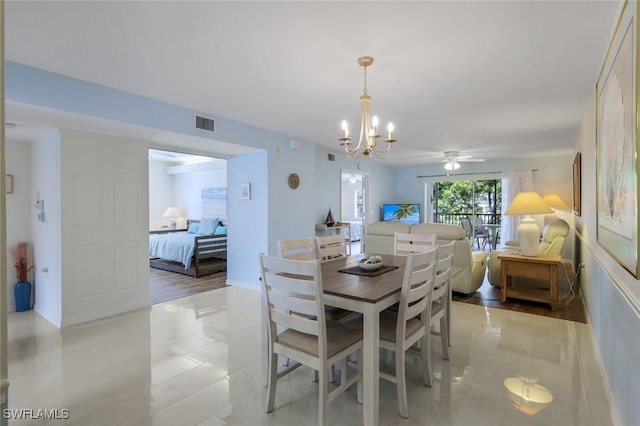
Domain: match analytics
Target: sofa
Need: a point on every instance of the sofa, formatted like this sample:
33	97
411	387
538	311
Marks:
554	235
468	269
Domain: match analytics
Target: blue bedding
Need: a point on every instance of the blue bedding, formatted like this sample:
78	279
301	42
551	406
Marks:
175	246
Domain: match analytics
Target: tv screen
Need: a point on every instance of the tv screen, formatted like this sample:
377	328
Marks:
406	213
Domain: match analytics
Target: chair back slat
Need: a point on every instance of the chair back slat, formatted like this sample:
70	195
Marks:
286	301
295	322
301	249
291	283
330	247
405	243
445	261
417	286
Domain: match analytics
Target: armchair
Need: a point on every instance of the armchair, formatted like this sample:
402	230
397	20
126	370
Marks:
554	235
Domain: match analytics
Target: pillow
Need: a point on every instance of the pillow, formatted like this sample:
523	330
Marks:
193	228
220	230
208	225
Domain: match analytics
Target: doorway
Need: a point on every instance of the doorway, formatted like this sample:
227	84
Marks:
354	206
183	188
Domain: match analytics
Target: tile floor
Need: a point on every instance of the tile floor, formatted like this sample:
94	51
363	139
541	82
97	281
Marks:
196	361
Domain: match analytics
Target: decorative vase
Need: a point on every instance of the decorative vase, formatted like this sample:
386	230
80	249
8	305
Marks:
22	293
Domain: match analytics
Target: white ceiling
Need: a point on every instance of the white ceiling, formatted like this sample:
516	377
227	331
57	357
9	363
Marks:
492	79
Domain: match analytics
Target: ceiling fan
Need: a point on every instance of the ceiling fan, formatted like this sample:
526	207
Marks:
453	158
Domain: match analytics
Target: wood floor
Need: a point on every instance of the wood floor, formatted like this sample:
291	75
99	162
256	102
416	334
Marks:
570	305
165	285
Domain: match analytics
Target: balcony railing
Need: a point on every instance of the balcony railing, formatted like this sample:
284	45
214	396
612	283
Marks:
454	218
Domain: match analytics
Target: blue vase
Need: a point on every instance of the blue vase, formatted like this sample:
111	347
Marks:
22	293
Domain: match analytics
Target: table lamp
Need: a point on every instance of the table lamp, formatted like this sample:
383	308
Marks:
171	213
528	203
555	202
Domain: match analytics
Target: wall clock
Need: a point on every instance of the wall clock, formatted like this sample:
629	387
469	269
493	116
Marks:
294	180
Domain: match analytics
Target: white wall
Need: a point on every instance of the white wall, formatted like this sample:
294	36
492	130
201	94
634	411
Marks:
160	193
611	294
18	164
45	167
187	189
171	184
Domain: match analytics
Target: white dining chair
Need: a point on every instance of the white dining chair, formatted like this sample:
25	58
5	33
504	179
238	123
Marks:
330	247
296	286
402	329
300	249
441	298
405	243
305	249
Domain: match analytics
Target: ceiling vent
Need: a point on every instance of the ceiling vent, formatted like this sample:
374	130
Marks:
331	157
204	123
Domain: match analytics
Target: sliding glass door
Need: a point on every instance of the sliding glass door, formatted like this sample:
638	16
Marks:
476	205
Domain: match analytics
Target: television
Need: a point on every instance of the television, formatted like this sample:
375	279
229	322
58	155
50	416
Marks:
405	213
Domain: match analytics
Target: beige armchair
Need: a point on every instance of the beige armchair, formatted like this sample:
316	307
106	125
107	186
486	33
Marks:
554	235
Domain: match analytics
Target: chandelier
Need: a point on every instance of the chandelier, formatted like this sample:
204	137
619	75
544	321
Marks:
368	142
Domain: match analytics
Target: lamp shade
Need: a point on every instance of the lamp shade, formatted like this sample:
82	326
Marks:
554	201
527	203
171	212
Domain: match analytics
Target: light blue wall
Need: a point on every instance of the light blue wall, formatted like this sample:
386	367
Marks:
328	182
275	211
610	293
248	229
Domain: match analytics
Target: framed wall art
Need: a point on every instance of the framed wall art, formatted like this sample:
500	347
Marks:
616	145
577	184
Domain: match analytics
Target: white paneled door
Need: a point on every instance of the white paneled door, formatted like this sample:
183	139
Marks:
104	226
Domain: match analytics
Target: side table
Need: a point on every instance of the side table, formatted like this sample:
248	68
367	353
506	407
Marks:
542	266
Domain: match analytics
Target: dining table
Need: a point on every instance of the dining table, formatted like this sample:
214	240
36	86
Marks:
368	294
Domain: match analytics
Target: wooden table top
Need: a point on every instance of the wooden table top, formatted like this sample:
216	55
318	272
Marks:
361	287
541	258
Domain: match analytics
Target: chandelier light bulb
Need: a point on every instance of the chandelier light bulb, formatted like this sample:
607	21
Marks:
345	129
374	121
390	130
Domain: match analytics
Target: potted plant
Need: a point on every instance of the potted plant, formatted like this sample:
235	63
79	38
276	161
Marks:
22	289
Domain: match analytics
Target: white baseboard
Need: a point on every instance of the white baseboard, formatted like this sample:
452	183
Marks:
243	285
79	319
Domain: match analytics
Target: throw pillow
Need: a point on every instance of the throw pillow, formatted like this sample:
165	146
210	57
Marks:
220	230
193	228
208	225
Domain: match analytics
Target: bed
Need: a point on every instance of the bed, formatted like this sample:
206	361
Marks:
188	253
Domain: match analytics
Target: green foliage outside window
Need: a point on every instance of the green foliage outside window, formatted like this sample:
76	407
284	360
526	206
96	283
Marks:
457	198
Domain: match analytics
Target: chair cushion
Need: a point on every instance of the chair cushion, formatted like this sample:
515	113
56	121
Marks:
388	321
339	337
